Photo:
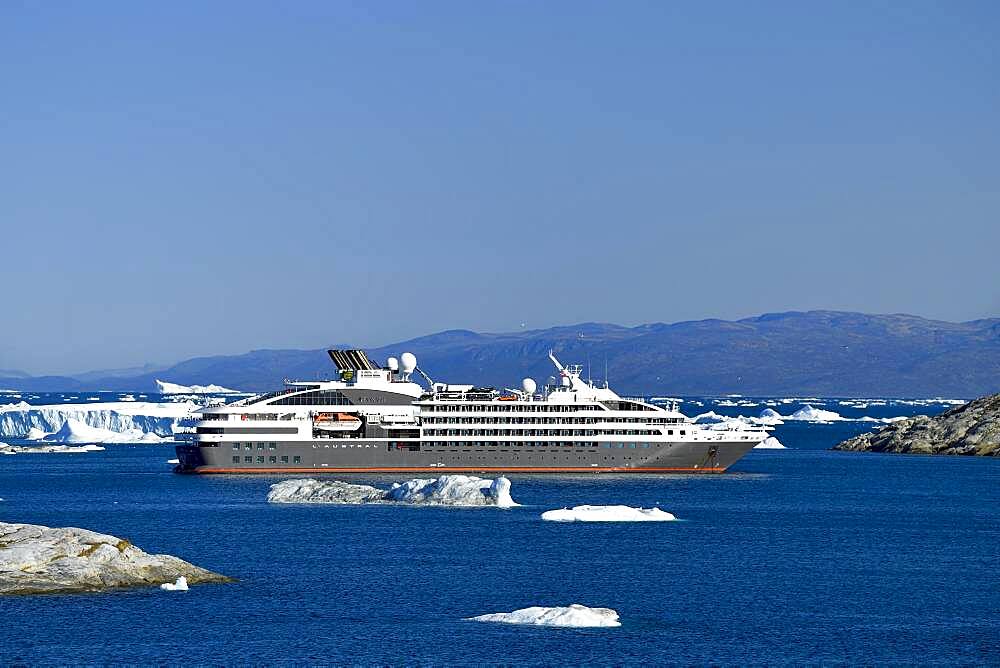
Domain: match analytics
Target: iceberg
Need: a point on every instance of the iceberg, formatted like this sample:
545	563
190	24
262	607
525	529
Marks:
448	490
770	416
576	615
310	490
607	514
770	443
180	585
24	420
454	490
164	387
809	414
713	420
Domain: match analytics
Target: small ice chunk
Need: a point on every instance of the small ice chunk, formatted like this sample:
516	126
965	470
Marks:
180	585
576	615
173	461
607	514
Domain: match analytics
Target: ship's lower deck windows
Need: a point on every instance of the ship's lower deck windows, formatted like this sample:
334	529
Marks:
236	459
260	460
272	459
297	460
248	446
284	459
248	460
236	446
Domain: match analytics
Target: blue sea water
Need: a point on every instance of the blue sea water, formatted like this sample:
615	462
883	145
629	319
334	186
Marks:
797	556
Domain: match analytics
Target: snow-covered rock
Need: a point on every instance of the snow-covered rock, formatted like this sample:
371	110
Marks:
180	585
575	615
448	490
23	420
42	560
173	388
607	514
769	443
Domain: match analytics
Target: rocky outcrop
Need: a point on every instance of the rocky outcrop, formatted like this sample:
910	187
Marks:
970	429
42	560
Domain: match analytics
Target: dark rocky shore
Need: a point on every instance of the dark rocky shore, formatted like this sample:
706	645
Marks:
971	429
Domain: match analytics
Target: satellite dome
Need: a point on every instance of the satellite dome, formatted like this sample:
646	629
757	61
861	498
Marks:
528	385
408	362
392	363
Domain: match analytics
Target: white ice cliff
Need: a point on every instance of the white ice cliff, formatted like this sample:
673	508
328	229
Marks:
22	420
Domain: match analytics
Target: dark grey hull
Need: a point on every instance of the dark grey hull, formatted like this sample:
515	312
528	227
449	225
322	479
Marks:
372	456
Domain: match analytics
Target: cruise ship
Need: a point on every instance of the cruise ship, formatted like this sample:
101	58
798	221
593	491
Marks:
377	419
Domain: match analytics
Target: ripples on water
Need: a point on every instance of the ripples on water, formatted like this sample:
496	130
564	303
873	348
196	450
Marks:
798	556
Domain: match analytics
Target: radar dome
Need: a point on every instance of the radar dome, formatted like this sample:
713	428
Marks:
392	363
408	362
528	385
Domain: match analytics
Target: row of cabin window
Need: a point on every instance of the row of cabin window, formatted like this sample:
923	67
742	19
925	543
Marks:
260	445
545	420
542	432
271	460
537	444
501	407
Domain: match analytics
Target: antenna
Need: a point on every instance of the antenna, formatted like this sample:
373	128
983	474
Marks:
605	369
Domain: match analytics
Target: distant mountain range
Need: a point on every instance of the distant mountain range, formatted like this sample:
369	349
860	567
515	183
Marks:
828	353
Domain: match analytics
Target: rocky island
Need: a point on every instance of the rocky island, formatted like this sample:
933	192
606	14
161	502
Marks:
970	429
44	560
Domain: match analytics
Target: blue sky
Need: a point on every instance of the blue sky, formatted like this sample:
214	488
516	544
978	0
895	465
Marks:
195	178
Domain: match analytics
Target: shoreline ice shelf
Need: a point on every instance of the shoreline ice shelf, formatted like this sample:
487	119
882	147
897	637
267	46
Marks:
377	419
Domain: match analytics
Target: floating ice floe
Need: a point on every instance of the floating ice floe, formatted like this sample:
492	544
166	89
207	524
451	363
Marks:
173	461
448	490
578	616
770	443
45	449
180	585
173	388
134	418
607	514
